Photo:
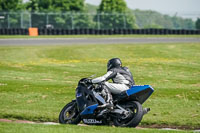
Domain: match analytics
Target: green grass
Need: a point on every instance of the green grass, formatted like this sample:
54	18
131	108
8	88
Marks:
93	36
37	81
39	128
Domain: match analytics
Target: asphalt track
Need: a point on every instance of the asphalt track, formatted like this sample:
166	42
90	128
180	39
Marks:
70	41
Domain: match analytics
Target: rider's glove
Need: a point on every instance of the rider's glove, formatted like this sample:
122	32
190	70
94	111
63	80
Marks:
88	81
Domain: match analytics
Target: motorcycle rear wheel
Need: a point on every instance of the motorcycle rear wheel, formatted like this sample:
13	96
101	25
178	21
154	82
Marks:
134	118
69	114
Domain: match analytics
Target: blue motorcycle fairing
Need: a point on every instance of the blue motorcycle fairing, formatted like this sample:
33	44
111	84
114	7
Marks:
78	95
89	110
84	98
137	88
140	92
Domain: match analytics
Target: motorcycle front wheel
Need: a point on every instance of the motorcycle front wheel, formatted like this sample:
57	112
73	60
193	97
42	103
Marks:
69	114
134	117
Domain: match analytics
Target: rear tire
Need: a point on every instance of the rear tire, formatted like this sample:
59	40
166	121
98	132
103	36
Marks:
135	117
69	114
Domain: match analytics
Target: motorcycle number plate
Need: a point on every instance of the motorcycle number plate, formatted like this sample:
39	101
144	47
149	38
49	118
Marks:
92	121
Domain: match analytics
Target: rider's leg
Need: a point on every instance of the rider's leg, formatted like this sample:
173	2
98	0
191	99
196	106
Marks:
116	88
109	88
109	99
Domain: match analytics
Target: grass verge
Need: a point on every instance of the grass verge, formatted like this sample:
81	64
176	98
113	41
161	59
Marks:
37	81
39	128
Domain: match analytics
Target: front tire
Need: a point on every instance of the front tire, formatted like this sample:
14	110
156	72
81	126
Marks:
135	116
69	114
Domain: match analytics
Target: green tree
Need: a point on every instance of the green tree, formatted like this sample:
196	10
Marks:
69	5
114	14
10	5
150	18
61	13
32	5
197	24
155	26
56	5
11	18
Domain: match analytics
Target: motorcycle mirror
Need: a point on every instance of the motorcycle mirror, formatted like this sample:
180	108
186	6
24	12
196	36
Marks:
94	75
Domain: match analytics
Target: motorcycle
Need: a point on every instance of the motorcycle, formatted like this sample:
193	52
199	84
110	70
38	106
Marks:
127	108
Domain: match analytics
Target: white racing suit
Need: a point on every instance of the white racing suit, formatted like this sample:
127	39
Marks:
122	80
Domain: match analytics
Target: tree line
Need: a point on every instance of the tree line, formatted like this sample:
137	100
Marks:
110	14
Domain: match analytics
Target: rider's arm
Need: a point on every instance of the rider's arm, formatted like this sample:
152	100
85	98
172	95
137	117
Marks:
107	76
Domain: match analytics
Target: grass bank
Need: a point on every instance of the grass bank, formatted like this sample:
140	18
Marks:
37	81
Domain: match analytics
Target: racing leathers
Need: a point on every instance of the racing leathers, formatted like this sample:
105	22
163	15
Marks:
122	79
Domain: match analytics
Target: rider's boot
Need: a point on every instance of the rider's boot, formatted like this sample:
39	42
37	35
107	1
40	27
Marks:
101	114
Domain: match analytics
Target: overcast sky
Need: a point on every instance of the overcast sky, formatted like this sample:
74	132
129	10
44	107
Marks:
185	8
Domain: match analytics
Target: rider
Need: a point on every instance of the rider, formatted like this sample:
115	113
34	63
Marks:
121	76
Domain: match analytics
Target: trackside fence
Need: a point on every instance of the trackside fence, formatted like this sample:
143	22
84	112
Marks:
77	23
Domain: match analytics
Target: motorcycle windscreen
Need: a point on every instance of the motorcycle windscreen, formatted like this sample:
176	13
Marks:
140	93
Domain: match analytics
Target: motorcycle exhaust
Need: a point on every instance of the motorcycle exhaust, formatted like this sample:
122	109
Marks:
146	110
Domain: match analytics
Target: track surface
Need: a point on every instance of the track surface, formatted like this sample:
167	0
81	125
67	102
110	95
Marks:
69	41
